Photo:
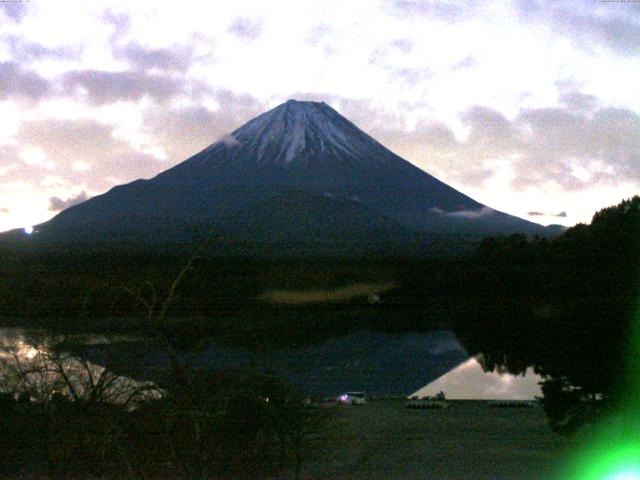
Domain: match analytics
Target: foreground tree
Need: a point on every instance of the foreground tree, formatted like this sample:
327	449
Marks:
66	416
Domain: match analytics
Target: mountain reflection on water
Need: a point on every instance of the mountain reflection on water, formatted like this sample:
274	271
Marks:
375	362
378	363
469	381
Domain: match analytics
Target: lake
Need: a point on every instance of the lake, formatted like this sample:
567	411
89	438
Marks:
378	363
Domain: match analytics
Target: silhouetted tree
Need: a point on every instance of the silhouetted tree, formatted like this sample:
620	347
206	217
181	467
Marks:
565	306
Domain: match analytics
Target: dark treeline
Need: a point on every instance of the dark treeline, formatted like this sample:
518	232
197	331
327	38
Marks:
565	306
101	292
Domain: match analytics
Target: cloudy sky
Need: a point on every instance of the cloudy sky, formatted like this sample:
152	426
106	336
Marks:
529	106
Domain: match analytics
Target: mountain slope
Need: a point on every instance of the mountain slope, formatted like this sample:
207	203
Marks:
304	151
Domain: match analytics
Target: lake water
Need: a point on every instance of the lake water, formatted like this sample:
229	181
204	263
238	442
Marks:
29	365
469	381
378	363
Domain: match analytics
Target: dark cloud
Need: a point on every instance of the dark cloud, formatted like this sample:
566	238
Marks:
577	148
108	160
375	120
16	81
573	147
578	101
246	28
177	59
431	144
103	87
56	203
490	130
69	142
24	50
577	145
615	25
14	10
185	131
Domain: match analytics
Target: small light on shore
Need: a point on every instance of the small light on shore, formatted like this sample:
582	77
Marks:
28	230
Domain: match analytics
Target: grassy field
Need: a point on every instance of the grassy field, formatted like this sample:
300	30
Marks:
469	440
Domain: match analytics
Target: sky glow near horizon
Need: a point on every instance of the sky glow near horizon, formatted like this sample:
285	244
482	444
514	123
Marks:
526	106
469	381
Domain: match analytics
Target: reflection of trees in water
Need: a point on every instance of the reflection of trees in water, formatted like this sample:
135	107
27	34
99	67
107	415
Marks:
42	367
565	306
66	416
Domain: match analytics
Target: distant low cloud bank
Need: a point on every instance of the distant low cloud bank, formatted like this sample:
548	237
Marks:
562	214
469	214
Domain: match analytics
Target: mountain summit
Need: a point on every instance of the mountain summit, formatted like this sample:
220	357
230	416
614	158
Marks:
298	132
299	173
295	137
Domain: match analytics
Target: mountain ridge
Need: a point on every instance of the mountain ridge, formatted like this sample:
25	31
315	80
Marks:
297	146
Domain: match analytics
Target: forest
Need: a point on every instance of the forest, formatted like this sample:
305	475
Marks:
567	306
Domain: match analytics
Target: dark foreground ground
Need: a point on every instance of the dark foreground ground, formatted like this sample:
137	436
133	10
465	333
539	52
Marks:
469	440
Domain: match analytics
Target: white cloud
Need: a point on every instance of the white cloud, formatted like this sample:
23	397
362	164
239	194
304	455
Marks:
26	202
33	156
229	141
80	166
471	214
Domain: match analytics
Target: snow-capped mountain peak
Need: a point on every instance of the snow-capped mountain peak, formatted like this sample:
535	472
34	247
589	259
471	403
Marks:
297	132
300	171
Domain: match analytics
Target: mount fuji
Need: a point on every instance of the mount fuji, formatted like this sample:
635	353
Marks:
298	174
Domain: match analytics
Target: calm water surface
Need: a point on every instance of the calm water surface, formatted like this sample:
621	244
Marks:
375	362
